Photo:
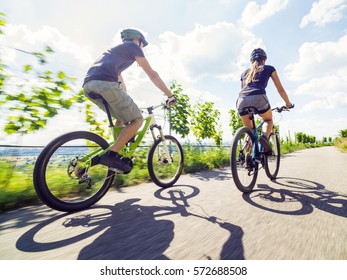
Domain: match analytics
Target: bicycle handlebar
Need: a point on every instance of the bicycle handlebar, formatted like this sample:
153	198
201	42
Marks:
283	108
150	109
163	105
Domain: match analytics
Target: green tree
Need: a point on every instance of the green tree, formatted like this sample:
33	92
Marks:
299	137
179	114
2	72
2	22
204	122
343	133
39	97
235	121
32	106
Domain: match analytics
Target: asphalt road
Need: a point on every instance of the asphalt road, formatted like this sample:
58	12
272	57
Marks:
301	215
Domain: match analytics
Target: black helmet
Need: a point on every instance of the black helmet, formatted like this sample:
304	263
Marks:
258	55
131	34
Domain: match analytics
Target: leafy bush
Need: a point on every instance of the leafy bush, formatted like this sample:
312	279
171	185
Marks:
341	144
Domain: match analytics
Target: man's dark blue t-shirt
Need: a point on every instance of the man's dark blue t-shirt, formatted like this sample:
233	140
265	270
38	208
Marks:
260	81
112	62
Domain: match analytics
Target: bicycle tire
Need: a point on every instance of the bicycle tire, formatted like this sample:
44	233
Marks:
244	176
162	173
58	182
272	160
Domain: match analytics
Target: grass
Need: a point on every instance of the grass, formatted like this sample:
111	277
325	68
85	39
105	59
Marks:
341	144
16	183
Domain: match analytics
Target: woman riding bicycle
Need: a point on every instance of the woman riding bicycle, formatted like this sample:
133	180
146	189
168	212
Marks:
105	78
253	94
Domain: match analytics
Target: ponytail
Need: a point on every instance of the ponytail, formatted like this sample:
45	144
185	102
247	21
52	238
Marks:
257	66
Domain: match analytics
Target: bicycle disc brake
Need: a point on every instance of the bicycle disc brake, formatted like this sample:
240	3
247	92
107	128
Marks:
164	160
80	173
75	169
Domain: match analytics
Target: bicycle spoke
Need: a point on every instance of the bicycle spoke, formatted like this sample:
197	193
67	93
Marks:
244	168
67	176
165	161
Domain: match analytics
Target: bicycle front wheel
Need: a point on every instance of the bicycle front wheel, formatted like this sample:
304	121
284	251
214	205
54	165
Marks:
272	160
243	168
67	176
165	161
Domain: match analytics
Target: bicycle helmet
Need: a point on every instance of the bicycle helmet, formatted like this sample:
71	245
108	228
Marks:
258	55
131	34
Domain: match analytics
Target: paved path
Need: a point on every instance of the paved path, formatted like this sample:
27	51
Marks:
301	215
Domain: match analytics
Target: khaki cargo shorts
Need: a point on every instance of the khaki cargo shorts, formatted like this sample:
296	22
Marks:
122	106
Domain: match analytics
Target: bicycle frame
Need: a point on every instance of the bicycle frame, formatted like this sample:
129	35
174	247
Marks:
257	147
129	149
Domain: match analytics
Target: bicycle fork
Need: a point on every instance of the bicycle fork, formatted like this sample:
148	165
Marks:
163	140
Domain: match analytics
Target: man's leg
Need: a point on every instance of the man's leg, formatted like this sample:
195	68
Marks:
126	134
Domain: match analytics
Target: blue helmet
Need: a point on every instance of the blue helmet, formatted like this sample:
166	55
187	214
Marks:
258	55
131	34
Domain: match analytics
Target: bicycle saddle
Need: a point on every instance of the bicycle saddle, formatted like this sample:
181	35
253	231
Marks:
94	95
251	109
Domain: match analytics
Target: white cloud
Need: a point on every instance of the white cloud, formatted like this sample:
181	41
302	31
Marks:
22	37
323	68
214	50
323	87
324	11
333	101
254	14
319	59
218	51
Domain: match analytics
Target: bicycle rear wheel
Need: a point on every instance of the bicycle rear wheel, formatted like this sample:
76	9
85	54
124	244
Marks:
67	176
272	160
162	172
243	168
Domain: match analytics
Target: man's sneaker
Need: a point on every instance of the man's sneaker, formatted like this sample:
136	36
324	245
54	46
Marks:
263	140
127	161
115	160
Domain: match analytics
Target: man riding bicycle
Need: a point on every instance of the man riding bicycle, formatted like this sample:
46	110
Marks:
105	78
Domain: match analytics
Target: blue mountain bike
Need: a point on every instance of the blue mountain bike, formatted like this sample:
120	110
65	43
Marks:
247	153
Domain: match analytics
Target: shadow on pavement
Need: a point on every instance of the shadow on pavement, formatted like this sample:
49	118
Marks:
126	230
297	197
214	174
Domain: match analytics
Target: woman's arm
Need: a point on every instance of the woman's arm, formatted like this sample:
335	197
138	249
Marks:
280	88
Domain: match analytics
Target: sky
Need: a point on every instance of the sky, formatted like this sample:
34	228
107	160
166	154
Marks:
202	44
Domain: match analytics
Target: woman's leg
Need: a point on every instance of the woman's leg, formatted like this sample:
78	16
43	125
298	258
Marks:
246	120
268	123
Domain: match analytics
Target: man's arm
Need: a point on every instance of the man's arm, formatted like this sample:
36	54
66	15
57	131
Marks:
122	84
153	75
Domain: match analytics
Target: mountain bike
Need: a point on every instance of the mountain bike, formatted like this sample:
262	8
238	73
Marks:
247	153
68	175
